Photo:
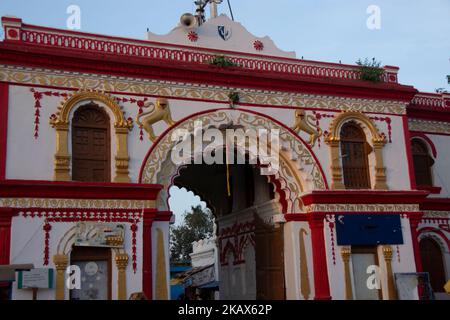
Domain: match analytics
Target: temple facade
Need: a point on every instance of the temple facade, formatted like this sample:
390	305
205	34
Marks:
362	186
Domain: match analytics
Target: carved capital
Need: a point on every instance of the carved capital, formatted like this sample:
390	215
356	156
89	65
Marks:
61	261
121	261
346	253
387	253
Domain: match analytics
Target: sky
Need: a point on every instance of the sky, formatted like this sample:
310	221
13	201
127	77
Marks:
181	200
413	35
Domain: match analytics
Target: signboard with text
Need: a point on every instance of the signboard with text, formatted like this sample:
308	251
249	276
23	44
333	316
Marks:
35	279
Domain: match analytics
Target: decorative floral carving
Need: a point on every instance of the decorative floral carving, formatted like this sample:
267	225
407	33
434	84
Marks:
192	36
318	116
429	126
331	220
388	123
38	95
196	91
75	203
345	207
235	239
140	103
298	153
47	227
258	45
134	228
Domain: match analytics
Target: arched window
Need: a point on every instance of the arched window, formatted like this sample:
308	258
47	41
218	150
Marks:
91	151
422	163
433	263
354	153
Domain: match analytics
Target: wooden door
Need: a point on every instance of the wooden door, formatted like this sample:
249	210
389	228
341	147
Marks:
91	145
354	152
433	263
269	256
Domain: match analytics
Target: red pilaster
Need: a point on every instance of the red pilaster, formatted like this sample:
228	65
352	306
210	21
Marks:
147	254
409	157
4	104
414	220
5	234
321	283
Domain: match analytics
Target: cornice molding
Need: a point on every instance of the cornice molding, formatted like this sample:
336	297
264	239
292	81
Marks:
181	90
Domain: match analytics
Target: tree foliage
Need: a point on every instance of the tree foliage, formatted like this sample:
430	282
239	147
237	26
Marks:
198	225
371	70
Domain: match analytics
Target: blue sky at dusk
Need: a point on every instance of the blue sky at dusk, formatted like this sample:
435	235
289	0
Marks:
414	34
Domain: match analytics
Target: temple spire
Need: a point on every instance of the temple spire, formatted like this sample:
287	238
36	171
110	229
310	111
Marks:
200	11
213	8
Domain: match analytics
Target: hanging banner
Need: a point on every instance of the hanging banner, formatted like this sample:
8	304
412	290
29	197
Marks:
368	229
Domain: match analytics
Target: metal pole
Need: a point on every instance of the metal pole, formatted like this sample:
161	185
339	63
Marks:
231	10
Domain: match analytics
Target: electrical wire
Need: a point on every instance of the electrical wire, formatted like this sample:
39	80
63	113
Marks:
231	10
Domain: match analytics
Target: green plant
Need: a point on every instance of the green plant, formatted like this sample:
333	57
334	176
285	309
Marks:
371	70
222	61
198	224
234	97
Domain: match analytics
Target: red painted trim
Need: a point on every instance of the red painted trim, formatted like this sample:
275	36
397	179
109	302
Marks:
80	60
4	105
6	215
429	142
436	204
436	133
412	178
438	232
364	197
147	250
11	19
179	46
302	217
158	215
414	220
78	190
321	283
429	113
215	110
149	217
431	190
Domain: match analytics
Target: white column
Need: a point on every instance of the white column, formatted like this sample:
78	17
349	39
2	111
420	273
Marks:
213	9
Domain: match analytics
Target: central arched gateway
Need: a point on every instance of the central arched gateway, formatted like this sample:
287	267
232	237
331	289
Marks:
299	169
250	229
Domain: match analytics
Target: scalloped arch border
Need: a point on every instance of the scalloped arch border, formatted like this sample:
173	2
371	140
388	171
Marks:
321	181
